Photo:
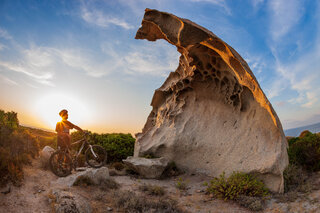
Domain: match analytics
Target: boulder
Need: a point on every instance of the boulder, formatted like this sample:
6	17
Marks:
64	201
96	176
45	154
148	168
210	115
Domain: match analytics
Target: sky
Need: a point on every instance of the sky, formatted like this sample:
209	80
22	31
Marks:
82	56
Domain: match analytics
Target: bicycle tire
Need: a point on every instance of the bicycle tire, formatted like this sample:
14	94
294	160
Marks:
60	163
101	156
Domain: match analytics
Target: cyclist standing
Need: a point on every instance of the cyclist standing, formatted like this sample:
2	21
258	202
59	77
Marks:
63	129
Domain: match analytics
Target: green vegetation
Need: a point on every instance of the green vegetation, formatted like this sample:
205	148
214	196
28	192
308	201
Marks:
118	145
305	151
181	184
17	147
237	184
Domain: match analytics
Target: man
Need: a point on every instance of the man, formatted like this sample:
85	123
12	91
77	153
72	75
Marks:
63	129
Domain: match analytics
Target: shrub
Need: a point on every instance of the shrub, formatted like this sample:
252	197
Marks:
181	184
17	147
294	177
118	145
131	202
305	151
152	189
237	184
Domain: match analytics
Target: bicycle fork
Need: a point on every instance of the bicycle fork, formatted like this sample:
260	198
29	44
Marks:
94	154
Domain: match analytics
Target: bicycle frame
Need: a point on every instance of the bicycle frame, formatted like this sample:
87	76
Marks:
82	146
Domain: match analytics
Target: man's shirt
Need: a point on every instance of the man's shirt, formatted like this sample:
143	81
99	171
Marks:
64	126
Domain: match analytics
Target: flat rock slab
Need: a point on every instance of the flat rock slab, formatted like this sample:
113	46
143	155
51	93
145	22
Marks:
95	175
148	168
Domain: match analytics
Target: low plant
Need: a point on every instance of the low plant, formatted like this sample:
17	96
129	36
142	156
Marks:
152	189
181	184
131	202
237	184
294	178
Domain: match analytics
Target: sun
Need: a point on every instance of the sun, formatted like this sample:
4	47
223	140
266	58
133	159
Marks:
48	109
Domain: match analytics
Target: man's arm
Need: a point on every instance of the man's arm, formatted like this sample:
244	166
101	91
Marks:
75	126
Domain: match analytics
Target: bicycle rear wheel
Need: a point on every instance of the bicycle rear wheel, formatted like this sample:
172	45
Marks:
60	163
96	156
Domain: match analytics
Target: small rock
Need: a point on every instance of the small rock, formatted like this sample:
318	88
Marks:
148	168
109	209
6	190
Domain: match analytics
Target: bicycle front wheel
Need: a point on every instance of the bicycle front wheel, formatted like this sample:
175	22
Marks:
60	163
96	156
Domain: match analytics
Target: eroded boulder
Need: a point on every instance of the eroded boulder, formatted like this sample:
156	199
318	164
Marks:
210	115
148	168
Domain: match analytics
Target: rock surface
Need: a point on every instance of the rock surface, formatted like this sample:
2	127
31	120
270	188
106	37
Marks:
95	175
45	156
64	201
148	168
210	115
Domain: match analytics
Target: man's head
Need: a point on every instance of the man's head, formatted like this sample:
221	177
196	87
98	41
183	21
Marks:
64	114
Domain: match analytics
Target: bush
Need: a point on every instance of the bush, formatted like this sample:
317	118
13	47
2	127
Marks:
152	189
305	151
131	202
294	177
181	184
118	145
237	184
17	147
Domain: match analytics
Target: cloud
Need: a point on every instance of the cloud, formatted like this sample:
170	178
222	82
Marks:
284	16
8	80
97	17
220	3
4	34
154	59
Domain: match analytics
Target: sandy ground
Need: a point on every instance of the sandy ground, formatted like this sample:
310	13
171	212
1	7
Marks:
32	196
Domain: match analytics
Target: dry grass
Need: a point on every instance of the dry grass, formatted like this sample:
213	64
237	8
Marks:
129	201
152	189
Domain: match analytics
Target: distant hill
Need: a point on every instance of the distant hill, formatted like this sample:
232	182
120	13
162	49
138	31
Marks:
295	132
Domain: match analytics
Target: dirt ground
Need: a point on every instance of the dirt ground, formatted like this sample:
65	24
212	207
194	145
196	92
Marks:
33	195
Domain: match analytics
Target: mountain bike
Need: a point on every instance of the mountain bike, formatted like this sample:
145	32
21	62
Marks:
62	162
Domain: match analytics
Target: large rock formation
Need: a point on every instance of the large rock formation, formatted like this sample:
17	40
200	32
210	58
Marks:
210	115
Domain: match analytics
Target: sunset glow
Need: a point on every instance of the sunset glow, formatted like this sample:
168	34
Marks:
48	109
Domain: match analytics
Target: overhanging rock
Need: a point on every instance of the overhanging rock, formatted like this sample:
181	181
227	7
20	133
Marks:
210	115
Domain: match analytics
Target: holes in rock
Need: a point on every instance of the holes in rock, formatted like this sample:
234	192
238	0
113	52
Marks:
186	81
216	81
208	66
219	74
213	70
213	60
233	97
205	72
223	85
226	80
180	85
200	65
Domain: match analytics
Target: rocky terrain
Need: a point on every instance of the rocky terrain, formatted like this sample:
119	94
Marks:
42	191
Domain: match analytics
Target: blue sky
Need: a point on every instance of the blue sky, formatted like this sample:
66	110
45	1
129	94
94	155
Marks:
82	55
